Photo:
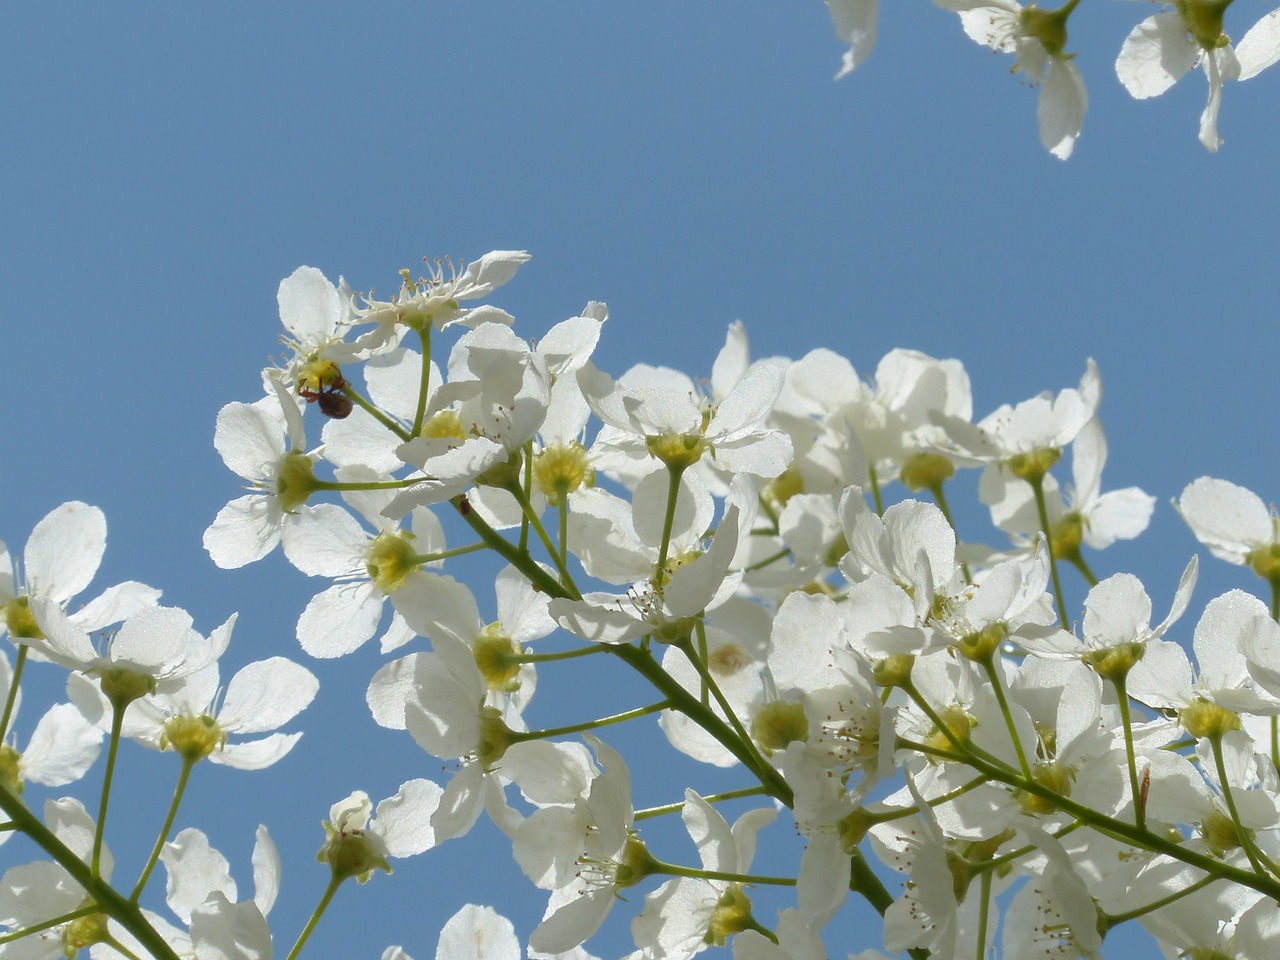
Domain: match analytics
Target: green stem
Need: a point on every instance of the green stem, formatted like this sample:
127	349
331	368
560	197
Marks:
736	743
897	813
701	630
329	891
984	909
1122	697
875	488
668	520
12	699
962	748
116	945
187	766
1115	919
563	511
355	397
1118	829
47	924
710	685
590	724
772	558
697	873
117	725
561	655
519	559
1256	857
365	484
1037	488
996	862
424	380
521	498
127	914
425	558
1078	561
997	687
666	808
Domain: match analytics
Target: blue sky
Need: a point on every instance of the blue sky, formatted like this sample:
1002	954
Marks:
690	164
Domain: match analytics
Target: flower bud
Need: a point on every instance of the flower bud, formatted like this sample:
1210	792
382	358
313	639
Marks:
926	471
1034	465
678	451
1265	562
84	932
122	686
444	424
193	738
390	560
10	777
1114	663
560	470
894	670
982	646
732	914
505	474
1204	719
17	616
295	480
495	655
1219	833
779	723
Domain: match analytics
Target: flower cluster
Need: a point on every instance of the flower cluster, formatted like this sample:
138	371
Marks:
760	554
1157	53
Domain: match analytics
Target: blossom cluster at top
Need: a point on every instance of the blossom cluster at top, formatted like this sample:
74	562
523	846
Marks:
880	684
1157	53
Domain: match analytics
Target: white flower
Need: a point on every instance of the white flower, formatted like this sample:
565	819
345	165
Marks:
1163	47
262	442
1037	38
196	871
157	645
434	301
1042	425
1084	514
658	417
60	559
401	827
368	569
197	718
679	918
1232	522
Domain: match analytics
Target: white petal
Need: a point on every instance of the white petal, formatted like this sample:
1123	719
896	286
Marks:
221	930
62	747
1155	55
309	307
477	933
266	871
266	694
64	550
244	531
340	620
404	821
255	754
195	870
1061	107
1260	47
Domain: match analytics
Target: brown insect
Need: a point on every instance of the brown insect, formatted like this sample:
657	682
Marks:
334	404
